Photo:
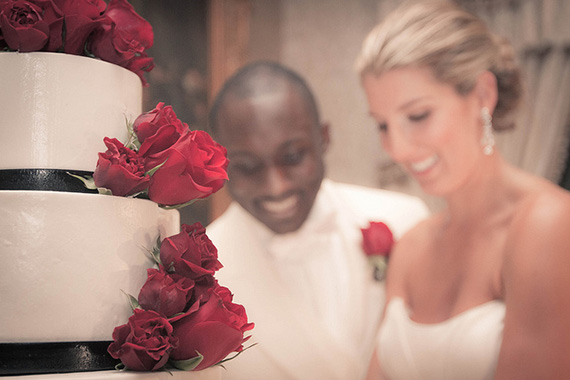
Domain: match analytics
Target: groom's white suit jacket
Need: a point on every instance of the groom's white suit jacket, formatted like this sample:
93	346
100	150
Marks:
310	293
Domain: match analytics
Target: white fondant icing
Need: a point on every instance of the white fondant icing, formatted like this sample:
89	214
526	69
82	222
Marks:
214	373
57	108
67	257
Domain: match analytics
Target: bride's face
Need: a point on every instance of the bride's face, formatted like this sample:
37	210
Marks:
427	127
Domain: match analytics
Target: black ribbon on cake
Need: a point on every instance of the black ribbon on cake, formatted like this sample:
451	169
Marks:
56	357
44	179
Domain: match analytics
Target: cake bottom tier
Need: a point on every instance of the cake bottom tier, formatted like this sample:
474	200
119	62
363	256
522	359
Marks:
214	373
69	258
67	261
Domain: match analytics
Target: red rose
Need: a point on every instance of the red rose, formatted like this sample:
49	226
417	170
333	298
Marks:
190	253
215	330
81	19
194	167
145	342
31	25
202	288
149	123
167	294
120	169
124	38
377	239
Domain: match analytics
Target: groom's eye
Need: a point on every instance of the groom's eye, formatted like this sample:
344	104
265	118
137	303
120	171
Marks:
292	157
246	168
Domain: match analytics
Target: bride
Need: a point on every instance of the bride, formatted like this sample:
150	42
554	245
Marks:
481	290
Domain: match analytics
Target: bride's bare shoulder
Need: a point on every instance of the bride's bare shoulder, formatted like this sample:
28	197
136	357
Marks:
543	213
538	237
415	242
420	235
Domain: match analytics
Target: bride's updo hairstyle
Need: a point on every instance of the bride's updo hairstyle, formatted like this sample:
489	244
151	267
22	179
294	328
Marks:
456	45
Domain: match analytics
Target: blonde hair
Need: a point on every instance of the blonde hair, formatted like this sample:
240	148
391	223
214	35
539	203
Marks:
456	45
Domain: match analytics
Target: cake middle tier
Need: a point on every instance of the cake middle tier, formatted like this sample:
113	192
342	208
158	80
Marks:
67	258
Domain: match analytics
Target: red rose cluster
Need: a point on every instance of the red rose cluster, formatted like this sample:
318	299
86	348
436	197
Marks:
184	317
171	163
114	33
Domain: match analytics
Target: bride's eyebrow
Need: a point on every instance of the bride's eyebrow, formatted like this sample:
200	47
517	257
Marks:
401	107
412	102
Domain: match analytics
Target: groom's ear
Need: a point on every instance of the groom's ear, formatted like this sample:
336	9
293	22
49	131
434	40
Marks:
325	136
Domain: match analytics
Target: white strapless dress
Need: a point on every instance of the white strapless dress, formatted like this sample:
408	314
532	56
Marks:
464	347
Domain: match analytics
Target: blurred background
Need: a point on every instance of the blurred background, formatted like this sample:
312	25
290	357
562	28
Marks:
199	43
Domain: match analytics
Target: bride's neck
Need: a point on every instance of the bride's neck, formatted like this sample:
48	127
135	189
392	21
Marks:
487	193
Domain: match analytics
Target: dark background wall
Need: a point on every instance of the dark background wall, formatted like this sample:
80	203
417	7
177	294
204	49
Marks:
179	78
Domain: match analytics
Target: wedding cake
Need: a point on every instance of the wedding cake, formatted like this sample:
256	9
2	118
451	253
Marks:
68	255
97	271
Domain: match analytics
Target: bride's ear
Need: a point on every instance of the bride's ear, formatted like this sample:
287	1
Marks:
486	90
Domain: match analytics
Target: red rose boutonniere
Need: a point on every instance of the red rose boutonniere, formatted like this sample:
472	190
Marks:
377	241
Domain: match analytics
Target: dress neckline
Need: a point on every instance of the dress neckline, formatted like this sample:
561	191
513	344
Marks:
401	306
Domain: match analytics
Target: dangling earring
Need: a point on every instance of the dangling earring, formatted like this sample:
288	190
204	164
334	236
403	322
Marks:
488	139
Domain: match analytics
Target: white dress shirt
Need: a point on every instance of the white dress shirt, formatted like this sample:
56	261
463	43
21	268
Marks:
310	293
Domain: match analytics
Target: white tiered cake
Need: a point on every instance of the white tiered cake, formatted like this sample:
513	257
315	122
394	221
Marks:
68	255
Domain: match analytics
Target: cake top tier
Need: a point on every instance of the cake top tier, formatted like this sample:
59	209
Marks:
56	109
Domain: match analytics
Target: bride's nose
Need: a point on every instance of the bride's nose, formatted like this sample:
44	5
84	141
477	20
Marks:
397	144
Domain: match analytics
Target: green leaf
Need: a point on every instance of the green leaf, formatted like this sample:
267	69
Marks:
104	191
175	207
153	170
88	181
236	355
378	261
137	194
188	364
155	254
133	301
132	139
120	367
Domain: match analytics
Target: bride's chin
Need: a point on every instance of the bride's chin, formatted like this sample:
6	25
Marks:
431	188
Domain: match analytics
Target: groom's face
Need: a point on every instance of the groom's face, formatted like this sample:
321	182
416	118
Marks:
275	146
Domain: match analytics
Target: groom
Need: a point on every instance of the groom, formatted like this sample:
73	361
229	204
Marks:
290	242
